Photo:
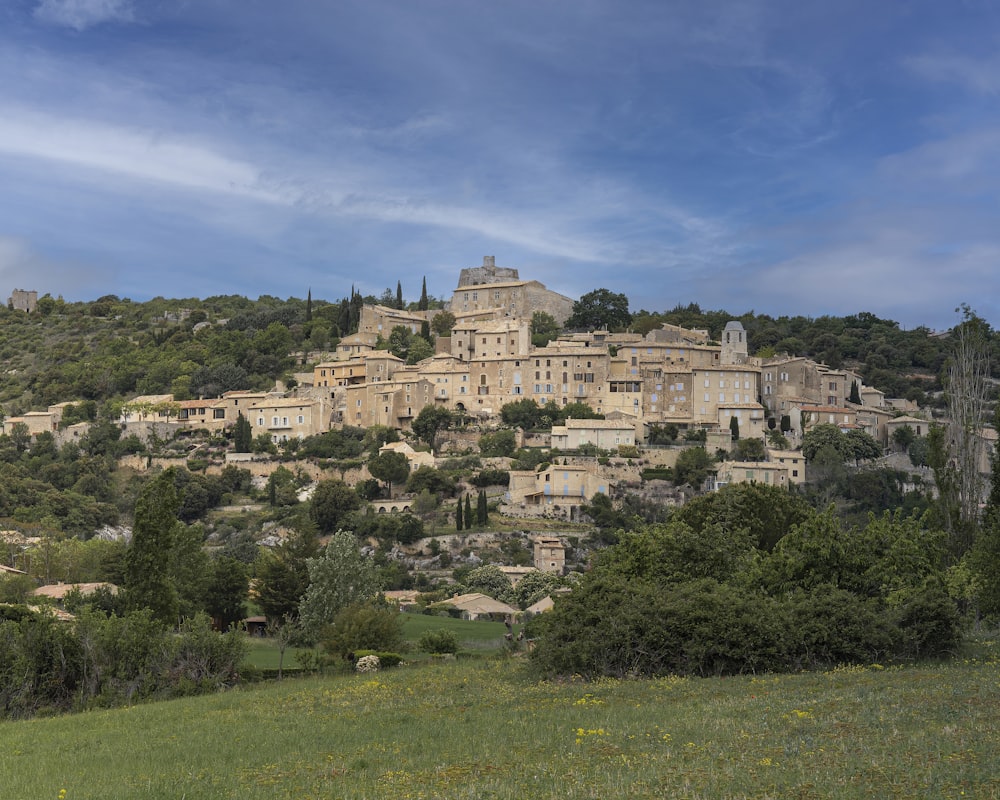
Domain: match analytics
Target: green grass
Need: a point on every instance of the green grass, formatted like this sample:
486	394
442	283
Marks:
483	729
471	635
480	637
263	654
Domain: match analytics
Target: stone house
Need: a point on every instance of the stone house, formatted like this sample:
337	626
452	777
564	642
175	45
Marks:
287	418
557	491
549	554
765	472
603	433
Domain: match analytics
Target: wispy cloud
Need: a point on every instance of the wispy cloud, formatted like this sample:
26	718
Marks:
133	153
83	14
980	75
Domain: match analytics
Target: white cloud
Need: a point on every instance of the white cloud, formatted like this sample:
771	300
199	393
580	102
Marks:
979	75
83	14
144	155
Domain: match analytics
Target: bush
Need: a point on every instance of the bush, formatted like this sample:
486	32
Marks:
500	443
386	660
438	642
365	626
491	477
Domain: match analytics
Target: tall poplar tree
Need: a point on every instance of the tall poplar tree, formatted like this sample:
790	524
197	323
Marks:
147	560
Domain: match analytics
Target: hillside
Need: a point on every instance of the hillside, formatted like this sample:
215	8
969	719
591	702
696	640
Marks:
485	730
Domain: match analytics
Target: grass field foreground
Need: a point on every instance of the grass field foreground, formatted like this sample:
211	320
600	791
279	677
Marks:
482	729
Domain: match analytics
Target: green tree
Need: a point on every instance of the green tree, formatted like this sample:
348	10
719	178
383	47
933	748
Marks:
400	339
430	421
147	561
332	501
903	437
521	414
825	435
855	396
399	295
468	512
189	570
535	586
544	328
341	576
499	443
482	510
242	434
422	305
777	440
390	466
442	323
967	391
599	310
750	450
489	580
420	349
458	515
364	626
734	428
861	446
282	575
692	467
226	593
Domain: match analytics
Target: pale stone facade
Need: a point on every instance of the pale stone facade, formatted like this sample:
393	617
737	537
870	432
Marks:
606	434
287	418
557	491
22	300
549	554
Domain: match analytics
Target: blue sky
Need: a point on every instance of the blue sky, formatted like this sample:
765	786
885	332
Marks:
786	157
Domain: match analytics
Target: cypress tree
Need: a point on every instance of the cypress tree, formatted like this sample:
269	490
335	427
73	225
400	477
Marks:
458	515
734	428
422	305
482	513
855	394
344	318
309	305
242	434
399	295
468	512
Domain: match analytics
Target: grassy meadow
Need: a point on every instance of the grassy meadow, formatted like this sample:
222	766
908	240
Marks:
484	729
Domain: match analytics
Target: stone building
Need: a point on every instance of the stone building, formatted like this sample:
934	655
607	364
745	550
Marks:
497	289
21	300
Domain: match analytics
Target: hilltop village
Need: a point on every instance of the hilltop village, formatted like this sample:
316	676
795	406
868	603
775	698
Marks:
637	392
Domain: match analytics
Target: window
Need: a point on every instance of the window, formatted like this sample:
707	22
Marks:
300	419
260	422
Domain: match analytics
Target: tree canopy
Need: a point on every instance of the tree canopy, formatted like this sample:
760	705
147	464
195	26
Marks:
600	309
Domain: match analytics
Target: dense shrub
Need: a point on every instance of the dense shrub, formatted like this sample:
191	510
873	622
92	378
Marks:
700	596
438	641
50	666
